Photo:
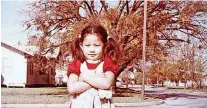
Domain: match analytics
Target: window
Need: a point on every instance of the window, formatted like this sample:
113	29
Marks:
43	71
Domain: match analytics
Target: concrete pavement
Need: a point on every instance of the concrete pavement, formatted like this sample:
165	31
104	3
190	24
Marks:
176	98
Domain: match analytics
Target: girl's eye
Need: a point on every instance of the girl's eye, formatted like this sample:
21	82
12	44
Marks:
97	45
86	45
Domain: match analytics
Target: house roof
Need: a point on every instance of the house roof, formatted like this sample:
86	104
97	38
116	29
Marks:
29	50
13	49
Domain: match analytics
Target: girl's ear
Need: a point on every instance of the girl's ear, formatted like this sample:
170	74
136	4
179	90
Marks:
81	46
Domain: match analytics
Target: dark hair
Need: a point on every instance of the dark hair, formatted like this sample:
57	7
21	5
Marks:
110	48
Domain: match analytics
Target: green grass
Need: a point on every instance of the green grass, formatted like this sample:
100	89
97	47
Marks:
59	95
34	95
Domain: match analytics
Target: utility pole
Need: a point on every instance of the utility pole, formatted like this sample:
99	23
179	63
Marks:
144	49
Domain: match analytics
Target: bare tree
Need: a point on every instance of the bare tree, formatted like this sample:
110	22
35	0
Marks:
58	23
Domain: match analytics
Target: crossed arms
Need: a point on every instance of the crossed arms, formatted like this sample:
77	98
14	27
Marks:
78	84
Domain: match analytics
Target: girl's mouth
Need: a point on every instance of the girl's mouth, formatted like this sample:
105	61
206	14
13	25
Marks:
92	55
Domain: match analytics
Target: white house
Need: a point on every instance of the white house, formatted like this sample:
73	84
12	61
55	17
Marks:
18	70
61	77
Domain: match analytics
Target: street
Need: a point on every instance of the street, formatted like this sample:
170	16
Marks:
176	98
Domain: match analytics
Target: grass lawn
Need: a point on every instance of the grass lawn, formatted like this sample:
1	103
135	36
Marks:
34	95
124	95
59	95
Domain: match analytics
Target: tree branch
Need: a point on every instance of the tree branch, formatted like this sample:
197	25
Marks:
136	5
89	8
49	48
174	39
127	6
104	6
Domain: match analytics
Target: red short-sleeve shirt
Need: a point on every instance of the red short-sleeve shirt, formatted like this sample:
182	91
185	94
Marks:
108	65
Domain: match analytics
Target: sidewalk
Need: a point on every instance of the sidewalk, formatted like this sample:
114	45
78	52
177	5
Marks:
138	105
134	105
66	105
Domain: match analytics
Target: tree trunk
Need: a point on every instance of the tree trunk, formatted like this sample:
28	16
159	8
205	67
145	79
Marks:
185	84
127	84
177	83
200	84
192	85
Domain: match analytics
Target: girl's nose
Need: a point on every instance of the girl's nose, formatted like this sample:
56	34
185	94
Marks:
92	49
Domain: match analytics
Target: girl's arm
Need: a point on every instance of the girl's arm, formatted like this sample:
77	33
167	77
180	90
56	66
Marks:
97	81
74	86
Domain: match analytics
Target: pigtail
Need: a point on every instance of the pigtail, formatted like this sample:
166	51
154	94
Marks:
112	50
76	50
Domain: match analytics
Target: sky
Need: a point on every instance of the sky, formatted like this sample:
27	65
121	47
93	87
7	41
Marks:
12	17
12	29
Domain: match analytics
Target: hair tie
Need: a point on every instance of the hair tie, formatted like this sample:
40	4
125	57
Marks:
79	36
108	37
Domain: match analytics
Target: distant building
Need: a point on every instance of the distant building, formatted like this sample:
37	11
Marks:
61	77
22	69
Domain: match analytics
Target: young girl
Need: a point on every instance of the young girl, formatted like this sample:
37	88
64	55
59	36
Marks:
94	68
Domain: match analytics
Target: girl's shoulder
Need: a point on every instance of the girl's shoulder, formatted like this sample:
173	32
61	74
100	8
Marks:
74	67
110	66
109	61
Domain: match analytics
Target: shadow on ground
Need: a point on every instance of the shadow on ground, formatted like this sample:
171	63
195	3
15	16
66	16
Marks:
163	96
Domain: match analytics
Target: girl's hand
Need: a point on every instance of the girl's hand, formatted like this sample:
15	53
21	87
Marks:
80	78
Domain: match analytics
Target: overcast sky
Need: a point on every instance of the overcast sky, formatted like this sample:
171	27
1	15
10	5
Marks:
12	30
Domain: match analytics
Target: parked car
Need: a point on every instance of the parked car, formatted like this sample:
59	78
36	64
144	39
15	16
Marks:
158	85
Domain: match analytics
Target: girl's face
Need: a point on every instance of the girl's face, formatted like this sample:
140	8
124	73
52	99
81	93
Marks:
92	47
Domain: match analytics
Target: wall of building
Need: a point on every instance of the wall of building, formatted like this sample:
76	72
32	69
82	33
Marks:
14	67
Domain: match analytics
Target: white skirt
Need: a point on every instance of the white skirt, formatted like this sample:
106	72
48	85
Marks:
90	99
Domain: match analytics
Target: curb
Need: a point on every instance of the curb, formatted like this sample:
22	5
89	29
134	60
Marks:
138	105
67	104
133	105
